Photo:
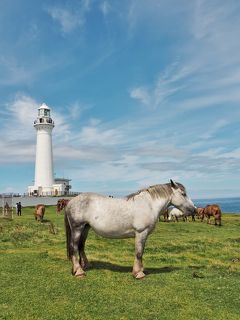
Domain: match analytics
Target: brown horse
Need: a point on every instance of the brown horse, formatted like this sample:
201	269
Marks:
212	210
199	213
61	204
164	213
39	212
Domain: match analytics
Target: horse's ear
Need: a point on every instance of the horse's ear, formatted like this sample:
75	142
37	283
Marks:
173	184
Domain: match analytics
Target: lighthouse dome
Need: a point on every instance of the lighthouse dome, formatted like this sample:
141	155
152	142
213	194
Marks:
44	106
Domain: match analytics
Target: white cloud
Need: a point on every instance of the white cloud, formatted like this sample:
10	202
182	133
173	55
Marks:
203	75
69	21
71	17
218	125
141	93
94	135
169	82
23	109
76	109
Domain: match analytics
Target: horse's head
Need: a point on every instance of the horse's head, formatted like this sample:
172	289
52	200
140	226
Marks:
180	199
61	204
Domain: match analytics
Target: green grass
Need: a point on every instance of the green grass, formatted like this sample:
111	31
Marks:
193	272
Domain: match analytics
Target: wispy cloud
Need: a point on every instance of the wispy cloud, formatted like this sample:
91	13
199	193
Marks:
76	109
142	94
203	75
13	72
169	82
105	8
71	17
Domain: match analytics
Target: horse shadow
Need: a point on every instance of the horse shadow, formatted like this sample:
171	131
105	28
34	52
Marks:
103	265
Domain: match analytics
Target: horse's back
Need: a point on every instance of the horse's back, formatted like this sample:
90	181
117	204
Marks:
40	209
87	203
175	212
109	217
212	210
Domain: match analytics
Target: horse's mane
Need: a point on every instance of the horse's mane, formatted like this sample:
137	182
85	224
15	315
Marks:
156	191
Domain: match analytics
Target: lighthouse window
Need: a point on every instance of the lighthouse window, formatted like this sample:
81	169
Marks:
46	113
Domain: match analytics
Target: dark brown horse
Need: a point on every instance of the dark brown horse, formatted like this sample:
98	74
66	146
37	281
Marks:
39	212
61	204
200	213
164	213
212	210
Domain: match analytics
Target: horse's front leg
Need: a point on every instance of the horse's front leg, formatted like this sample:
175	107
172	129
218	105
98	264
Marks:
140	240
76	267
82	256
208	219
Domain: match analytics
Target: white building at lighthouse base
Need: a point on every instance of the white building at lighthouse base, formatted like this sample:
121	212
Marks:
60	187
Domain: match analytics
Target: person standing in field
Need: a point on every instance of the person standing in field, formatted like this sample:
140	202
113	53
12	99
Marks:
19	209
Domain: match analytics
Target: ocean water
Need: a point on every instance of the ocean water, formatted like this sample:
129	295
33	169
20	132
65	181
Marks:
228	205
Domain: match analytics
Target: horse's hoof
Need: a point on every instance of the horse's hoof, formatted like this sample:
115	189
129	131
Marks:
79	274
139	275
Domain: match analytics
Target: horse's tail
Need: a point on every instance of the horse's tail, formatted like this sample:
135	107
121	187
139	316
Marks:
68	236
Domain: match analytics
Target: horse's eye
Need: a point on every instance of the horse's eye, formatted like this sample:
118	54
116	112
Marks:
184	194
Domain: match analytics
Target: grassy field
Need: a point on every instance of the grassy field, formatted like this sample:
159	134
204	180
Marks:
193	272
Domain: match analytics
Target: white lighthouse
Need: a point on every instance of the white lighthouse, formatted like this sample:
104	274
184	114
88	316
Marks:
44	183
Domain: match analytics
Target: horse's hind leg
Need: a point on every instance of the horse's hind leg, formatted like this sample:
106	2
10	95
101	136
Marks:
81	245
219	221
140	240
76	235
218	218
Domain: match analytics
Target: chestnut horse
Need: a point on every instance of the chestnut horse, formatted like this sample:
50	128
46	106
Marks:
212	210
199	213
39	212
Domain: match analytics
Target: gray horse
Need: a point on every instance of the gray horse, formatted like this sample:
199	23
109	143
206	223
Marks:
133	216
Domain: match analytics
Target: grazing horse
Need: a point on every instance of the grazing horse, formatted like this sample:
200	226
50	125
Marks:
165	215
200	213
61	204
133	216
175	213
212	210
39	212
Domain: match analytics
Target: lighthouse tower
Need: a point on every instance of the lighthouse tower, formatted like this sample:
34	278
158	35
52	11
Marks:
44	180
44	183
44	158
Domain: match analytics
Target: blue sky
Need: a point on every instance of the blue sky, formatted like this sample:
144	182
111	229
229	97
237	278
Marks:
141	91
